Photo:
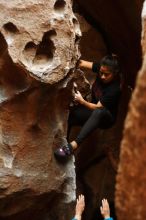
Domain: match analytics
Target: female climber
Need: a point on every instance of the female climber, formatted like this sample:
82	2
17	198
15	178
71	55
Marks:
101	112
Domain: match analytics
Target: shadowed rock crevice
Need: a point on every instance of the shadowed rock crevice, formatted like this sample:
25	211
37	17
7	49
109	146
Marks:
46	49
10	31
10	28
42	54
59	6
76	25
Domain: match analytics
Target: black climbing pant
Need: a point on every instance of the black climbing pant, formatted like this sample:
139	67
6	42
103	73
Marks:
89	120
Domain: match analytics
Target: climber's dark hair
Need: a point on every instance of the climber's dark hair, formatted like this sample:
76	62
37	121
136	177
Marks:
112	62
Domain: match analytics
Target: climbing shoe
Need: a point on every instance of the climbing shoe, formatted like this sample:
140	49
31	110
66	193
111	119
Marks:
64	151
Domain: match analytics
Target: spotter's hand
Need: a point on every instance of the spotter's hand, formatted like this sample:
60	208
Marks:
104	209
80	205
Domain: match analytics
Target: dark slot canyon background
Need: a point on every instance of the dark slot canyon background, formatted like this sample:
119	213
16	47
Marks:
107	27
40	45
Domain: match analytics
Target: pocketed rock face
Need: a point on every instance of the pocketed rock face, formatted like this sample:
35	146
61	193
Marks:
42	37
38	49
131	179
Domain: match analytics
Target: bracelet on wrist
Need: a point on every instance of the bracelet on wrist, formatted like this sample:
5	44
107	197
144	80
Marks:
109	218
77	217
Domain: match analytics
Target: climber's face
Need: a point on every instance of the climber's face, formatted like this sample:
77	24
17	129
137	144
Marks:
105	74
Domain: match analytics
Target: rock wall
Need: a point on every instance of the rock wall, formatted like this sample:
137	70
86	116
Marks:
131	179
38	54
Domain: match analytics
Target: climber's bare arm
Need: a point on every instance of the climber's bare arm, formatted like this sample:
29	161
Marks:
89	105
85	64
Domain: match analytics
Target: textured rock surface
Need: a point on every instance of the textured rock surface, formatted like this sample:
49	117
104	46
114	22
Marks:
39	47
41	37
131	179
